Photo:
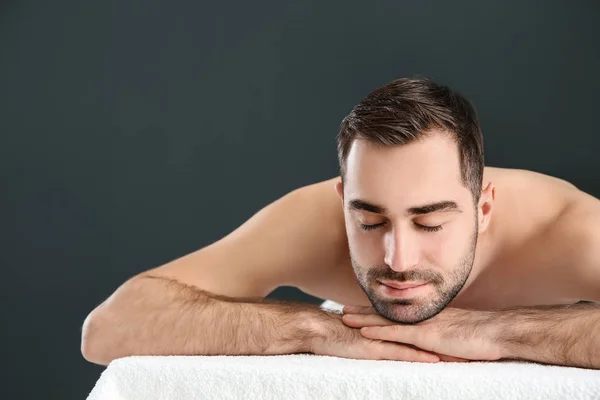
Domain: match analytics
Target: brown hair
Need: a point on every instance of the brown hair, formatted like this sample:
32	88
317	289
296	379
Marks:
406	110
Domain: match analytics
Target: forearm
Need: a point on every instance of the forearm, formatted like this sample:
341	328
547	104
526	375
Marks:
562	335
156	316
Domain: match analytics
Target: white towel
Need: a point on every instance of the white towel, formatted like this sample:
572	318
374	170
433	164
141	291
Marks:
330	305
307	376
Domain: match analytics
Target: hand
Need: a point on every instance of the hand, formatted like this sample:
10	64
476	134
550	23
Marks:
333	338
453	332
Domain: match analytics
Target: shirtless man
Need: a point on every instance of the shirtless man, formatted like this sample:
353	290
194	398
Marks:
503	264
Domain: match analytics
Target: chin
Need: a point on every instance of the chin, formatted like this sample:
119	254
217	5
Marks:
409	310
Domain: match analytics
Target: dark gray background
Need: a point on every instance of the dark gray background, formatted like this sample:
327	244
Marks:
133	132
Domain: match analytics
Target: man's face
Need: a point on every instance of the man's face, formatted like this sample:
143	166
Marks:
409	219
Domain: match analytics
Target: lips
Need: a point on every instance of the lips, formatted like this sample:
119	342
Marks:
397	285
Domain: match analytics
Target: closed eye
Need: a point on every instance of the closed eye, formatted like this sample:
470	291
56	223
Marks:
429	228
369	227
422	227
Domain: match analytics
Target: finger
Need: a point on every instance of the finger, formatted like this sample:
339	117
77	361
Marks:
360	320
446	358
358	310
398	352
396	333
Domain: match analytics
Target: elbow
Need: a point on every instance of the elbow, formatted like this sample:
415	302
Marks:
93	346
100	341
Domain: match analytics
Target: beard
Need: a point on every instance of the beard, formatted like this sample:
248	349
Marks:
412	310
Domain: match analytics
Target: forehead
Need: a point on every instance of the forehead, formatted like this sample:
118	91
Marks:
423	171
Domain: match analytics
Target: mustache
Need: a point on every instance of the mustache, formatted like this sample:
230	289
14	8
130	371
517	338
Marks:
420	275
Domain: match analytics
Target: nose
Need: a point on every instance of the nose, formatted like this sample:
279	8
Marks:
401	250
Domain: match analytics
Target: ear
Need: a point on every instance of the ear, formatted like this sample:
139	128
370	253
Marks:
339	188
485	206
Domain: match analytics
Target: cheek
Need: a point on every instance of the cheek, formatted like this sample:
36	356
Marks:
447	246
435	248
365	246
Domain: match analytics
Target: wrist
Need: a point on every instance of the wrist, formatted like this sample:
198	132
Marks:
500	332
318	327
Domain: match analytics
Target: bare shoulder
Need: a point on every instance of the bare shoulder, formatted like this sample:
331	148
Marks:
282	244
576	233
527	202
560	225
324	216
526	178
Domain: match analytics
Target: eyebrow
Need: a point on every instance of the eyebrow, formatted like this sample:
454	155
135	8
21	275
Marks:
439	206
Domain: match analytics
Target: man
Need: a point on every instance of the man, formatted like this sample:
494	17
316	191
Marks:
437	257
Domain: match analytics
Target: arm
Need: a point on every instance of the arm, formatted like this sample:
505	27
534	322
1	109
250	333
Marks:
159	316
563	335
211	301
